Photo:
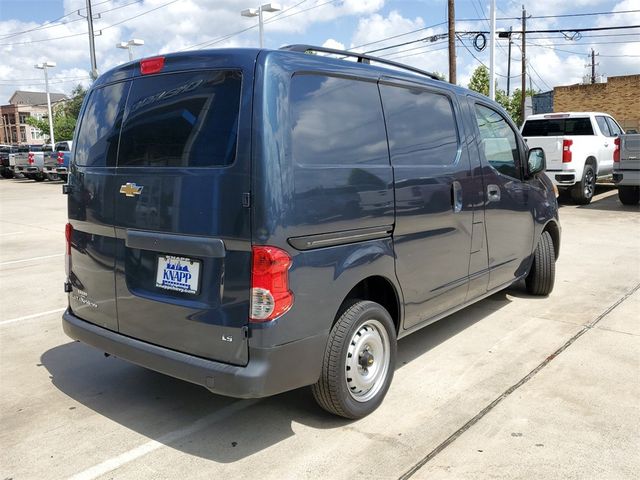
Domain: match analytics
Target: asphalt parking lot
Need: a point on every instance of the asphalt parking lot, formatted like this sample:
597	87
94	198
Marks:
512	387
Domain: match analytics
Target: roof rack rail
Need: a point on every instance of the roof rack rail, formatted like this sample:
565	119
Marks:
362	57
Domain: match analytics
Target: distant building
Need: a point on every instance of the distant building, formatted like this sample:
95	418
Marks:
13	117
543	102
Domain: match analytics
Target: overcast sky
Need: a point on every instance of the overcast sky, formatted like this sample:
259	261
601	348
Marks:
32	31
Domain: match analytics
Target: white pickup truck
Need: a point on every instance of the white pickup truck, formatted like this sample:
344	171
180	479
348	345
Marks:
579	148
626	168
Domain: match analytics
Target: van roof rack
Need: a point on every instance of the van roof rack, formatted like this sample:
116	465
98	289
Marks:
362	57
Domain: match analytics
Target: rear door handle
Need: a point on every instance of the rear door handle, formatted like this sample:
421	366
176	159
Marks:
493	193
456	196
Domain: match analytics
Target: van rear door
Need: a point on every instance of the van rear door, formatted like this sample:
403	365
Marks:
182	222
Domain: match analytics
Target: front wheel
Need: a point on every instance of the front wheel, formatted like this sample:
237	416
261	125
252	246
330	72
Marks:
629	195
582	192
542	276
359	361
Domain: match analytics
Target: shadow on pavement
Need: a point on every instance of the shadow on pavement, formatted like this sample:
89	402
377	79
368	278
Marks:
154	405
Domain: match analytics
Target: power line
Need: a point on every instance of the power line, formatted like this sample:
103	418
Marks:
400	35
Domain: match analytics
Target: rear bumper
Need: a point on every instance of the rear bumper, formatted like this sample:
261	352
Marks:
626	177
270	370
562	178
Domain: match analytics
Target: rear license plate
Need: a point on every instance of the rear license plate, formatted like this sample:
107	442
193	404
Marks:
178	274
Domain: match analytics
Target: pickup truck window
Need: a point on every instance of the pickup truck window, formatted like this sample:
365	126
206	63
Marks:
498	141
614	127
602	124
557	127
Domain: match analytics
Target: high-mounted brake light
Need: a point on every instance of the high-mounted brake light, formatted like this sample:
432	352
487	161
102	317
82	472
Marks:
270	294
60	158
616	150
151	65
68	235
566	150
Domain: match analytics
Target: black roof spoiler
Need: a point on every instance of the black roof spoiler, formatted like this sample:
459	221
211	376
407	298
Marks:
361	57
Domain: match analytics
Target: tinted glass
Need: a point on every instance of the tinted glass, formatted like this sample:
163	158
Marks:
336	121
557	127
602	125
35	148
100	126
182	120
498	141
47	148
421	126
614	128
62	147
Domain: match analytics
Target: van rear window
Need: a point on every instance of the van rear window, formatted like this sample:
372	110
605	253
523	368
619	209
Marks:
182	120
557	127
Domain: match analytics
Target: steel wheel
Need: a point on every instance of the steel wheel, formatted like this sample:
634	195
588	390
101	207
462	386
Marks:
367	361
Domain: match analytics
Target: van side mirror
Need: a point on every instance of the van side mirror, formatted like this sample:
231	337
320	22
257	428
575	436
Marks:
536	161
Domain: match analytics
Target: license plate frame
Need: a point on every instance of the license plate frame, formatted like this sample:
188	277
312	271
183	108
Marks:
178	274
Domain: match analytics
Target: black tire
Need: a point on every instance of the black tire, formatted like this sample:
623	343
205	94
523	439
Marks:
63	177
629	195
6	173
335	391
564	195
52	177
542	276
39	177
583	191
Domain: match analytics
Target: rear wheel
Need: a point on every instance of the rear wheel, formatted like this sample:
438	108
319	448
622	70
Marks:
63	177
39	177
52	177
564	195
542	276
583	191
6	173
359	361
629	195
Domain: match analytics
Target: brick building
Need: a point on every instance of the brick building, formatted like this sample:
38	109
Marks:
13	117
619	97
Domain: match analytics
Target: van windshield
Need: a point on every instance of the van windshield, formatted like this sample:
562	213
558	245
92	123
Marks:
557	127
182	120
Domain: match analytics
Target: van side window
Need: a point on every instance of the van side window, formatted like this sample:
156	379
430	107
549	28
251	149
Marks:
602	124
421	126
182	120
336	122
100	127
498	141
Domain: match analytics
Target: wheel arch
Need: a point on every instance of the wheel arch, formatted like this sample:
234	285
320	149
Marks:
554	230
593	161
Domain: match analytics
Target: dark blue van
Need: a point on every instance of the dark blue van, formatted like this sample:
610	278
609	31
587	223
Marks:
255	221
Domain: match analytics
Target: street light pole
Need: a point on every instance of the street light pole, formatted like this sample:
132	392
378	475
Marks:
134	42
492	52
44	66
258	12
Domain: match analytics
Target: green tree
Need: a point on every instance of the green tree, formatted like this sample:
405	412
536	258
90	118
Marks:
65	116
479	81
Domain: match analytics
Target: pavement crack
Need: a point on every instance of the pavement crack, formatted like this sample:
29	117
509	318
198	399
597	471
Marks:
449	440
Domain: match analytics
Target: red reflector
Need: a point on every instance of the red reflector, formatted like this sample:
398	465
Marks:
151	65
270	294
616	150
566	150
60	158
68	234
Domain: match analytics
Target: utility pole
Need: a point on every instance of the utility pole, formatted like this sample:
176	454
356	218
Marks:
524	62
509	64
452	41
92	45
593	65
492	52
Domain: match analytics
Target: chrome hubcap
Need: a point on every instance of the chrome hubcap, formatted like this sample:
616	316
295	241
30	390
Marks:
367	361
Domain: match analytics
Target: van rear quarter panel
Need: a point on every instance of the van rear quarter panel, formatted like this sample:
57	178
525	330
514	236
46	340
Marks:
319	278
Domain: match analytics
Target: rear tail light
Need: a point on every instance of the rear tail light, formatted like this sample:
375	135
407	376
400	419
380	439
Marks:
60	158
30	158
270	294
616	150
68	235
566	151
151	65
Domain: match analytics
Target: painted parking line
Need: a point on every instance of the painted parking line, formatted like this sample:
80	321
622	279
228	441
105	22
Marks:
166	439
10	233
29	317
31	259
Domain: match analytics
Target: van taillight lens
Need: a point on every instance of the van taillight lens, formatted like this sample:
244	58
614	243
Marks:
60	158
616	150
566	150
270	294
30	158
151	65
68	235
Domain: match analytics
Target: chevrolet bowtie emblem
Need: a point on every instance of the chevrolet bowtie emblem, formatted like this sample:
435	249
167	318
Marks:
131	189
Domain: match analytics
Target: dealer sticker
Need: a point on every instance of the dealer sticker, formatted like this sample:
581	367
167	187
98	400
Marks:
178	274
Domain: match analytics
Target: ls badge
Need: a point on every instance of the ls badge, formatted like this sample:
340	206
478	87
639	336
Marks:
131	189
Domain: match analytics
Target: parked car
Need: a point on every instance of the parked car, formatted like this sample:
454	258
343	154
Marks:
56	163
194	256
30	161
578	147
626	168
7	160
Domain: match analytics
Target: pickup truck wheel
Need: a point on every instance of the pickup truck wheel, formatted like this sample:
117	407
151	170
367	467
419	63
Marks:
7	173
39	177
582	192
359	361
63	177
52	177
543	270
629	195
